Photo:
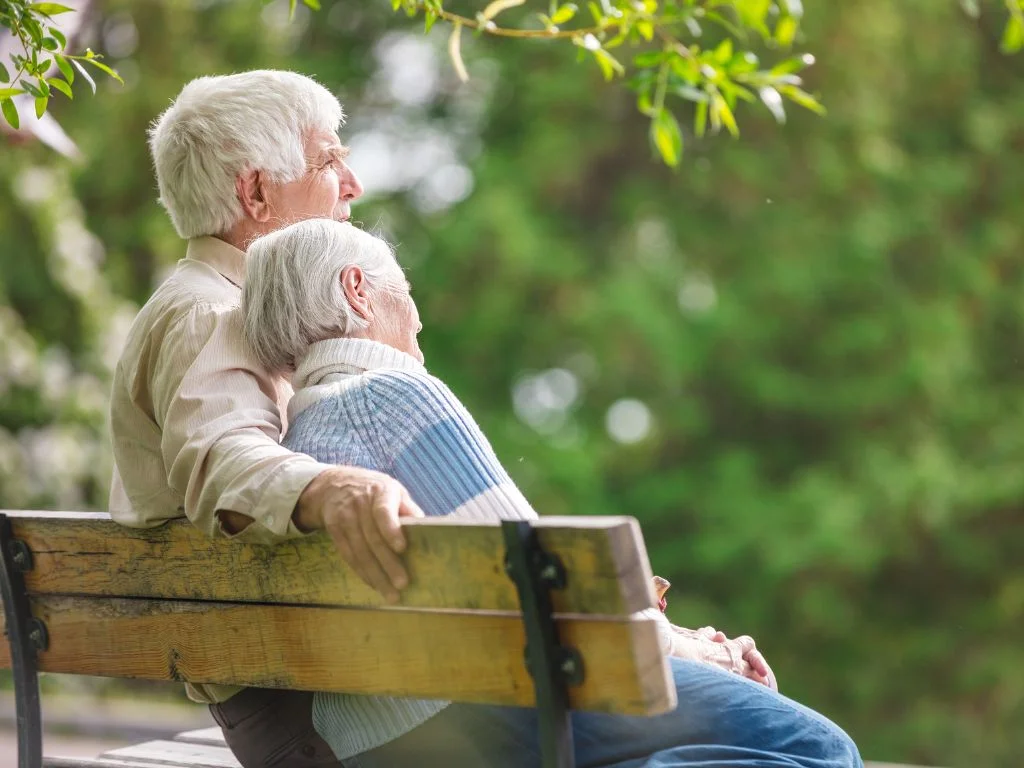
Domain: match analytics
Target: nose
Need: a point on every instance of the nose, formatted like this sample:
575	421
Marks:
349	186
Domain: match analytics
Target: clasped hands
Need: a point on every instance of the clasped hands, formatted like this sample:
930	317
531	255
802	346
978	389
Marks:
710	646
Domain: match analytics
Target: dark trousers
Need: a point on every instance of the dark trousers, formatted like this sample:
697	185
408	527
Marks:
269	728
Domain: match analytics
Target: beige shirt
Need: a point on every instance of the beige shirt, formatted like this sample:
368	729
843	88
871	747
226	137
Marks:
196	422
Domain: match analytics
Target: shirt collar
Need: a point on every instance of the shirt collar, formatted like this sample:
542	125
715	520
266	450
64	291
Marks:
222	256
349	357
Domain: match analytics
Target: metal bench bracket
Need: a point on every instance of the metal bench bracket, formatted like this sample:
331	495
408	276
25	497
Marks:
552	666
26	636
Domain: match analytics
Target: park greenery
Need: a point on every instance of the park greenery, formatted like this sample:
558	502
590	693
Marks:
795	359
667	64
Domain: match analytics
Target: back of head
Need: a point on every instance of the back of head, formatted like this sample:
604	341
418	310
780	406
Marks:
292	295
222	125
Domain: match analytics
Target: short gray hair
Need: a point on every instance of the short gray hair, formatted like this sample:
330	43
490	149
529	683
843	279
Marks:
221	126
292	295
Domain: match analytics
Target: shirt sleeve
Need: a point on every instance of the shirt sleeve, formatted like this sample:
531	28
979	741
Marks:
430	443
221	428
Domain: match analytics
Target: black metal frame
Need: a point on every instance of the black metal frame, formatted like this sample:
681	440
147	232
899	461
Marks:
26	636
553	666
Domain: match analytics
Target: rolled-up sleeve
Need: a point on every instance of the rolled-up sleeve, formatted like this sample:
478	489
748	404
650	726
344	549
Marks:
221	426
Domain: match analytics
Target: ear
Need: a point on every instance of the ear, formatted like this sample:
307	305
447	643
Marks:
251	190
356	289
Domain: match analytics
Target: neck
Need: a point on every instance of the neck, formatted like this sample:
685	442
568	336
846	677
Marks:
243	233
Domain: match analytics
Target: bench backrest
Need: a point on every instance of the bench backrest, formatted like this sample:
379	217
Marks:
169	603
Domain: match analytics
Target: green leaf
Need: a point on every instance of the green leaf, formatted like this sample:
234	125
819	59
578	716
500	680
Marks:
720	113
1013	35
5	76
86	75
785	31
41	106
291	9
802	98
649	59
104	68
793	64
690	93
61	86
50	9
723	53
65	68
34	30
10	113
50	44
646	29
31	88
700	119
429	17
564	14
667	137
608	63
314	4
6	93
58	36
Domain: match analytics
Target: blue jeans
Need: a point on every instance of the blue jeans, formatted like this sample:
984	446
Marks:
722	721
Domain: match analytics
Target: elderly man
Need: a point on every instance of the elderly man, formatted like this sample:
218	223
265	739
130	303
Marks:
327	303
195	420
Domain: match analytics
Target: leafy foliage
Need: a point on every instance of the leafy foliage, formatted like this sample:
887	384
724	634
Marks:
665	71
40	61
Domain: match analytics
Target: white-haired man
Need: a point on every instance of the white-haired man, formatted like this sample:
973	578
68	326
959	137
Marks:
196	422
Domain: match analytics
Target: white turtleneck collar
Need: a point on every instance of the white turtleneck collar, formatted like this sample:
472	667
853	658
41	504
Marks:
348	357
334	360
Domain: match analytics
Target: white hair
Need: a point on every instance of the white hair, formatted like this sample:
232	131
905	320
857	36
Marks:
221	126
292	295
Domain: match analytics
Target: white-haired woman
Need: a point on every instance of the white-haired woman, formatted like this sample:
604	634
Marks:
329	304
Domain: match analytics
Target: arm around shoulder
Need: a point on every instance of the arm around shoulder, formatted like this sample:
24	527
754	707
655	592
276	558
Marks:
220	419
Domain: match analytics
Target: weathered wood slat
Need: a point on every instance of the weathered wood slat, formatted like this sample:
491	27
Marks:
462	656
102	762
211	736
452	564
175	753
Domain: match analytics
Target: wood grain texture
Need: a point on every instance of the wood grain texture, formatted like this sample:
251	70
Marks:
211	736
174	753
451	564
470	656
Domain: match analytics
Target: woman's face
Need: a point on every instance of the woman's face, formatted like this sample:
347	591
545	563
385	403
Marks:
396	320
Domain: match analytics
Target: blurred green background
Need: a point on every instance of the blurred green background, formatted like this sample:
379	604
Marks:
797	360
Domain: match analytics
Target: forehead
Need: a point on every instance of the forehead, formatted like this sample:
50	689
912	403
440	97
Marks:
322	143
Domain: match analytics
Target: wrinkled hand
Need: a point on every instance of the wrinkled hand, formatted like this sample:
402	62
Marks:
739	655
360	510
709	646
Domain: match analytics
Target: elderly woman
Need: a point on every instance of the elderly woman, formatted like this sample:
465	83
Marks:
329	304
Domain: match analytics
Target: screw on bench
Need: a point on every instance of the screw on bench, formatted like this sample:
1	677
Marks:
21	555
38	635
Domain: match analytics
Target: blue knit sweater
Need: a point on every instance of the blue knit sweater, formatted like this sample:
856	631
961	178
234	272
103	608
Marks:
365	404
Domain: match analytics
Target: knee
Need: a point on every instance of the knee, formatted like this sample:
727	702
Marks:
840	751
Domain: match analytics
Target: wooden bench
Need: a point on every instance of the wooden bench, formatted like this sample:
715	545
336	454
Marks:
84	595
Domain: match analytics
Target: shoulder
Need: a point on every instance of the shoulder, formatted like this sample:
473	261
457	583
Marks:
189	302
411	393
